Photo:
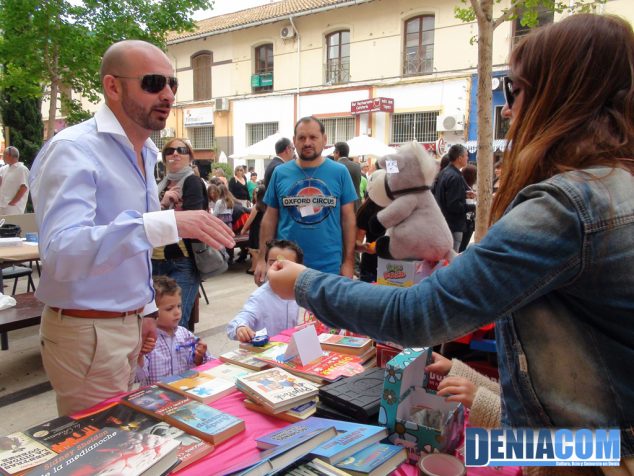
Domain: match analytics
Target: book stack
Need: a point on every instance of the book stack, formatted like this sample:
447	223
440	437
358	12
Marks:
276	390
363	347
356	448
298	413
196	418
329	367
244	358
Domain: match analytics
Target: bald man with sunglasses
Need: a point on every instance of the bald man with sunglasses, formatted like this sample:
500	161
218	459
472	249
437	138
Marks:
97	208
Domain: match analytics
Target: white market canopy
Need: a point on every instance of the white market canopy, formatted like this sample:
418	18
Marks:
365	145
260	150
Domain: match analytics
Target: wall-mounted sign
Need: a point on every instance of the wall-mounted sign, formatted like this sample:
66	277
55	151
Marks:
372	105
199	116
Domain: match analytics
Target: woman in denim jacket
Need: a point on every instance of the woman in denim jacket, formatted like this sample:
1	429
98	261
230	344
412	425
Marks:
556	270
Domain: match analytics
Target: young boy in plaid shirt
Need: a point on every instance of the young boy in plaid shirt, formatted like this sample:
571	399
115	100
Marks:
176	349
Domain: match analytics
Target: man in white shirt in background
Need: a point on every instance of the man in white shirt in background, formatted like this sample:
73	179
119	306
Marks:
14	179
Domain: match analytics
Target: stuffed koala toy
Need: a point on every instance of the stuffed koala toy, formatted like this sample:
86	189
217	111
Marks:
415	227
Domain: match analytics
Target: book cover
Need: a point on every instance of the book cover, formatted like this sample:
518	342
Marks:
358	396
112	451
152	399
292	433
292	415
229	372
61	433
345	344
119	416
276	389
351	437
203	421
18	452
376	459
243	358
276	459
199	386
328	368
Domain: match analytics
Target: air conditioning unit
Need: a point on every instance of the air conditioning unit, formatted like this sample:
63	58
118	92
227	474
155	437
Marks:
449	123
167	132
287	32
221	104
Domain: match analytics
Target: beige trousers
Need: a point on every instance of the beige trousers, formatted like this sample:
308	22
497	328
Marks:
88	360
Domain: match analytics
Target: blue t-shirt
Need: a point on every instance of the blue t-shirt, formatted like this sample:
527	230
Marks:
309	203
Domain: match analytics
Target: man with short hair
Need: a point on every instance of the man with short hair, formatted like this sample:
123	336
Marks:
98	214
14	179
450	191
284	151
340	155
310	200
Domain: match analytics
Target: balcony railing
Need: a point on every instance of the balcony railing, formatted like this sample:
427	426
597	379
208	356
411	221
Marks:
419	61
337	71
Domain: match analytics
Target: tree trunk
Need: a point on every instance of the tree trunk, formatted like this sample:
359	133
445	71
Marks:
485	124
52	111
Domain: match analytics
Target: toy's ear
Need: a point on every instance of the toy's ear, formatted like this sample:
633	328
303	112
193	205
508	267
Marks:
376	188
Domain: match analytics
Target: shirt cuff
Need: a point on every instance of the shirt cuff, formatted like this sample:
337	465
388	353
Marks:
160	227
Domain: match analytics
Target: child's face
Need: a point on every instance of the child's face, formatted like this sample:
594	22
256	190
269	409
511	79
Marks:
169	312
283	252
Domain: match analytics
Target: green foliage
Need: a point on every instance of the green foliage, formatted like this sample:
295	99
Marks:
47	42
24	120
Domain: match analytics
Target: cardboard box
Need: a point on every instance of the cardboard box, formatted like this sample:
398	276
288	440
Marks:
406	393
404	273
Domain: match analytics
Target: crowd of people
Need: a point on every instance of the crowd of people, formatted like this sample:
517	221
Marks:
553	272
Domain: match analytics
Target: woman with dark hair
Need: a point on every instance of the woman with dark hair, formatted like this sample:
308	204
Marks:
181	189
554	271
252	226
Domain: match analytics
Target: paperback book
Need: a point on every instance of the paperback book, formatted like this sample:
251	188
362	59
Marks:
119	416
18	453
345	344
243	358
112	451
327	368
191	416
276	389
374	460
315	467
276	459
200	386
351	437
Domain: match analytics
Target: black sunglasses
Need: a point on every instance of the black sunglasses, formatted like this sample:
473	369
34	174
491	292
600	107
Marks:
509	93
180	150
154	83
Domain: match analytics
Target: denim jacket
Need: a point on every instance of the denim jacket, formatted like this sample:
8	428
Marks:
556	274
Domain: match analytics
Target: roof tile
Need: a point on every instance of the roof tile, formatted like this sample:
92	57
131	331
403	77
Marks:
245	18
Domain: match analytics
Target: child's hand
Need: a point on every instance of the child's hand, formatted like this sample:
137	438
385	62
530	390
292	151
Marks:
441	365
148	345
458	389
199	352
245	333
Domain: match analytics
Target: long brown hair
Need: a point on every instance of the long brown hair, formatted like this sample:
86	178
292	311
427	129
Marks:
226	195
577	109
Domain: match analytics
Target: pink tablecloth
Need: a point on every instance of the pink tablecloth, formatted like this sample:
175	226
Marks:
243	447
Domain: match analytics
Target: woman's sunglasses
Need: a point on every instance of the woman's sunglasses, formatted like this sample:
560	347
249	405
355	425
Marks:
509	94
180	150
154	83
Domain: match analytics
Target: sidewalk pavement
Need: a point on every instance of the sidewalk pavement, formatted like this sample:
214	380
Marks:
25	396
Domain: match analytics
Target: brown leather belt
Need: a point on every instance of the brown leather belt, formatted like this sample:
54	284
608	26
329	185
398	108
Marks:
95	314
